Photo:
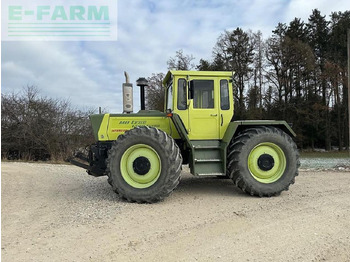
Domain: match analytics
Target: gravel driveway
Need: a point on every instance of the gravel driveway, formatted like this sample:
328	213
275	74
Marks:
58	213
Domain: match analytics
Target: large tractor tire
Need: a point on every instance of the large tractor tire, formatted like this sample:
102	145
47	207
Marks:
263	161
144	165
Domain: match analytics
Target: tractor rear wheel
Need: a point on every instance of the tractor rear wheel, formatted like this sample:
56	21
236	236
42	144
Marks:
144	165
263	161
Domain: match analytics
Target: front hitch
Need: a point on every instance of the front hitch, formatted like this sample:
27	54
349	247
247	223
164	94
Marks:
89	163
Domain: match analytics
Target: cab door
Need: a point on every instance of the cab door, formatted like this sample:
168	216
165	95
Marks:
203	113
226	105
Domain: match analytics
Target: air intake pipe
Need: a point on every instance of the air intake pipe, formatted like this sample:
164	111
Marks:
127	95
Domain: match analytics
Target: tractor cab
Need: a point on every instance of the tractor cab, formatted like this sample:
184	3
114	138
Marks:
202	99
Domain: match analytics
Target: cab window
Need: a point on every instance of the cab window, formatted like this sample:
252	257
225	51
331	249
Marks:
170	97
224	95
203	93
181	94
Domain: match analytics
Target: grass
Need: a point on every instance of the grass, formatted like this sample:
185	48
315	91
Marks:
329	154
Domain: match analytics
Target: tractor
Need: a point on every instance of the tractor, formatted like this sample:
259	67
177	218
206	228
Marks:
142	153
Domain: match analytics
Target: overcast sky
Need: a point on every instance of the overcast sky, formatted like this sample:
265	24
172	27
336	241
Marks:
90	74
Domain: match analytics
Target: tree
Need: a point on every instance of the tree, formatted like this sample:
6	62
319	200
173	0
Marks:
204	65
304	69
41	128
180	61
339	25
155	92
259	48
234	52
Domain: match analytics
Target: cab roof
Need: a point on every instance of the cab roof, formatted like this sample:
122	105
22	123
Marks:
196	73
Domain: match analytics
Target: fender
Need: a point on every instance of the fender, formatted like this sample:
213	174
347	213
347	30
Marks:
237	126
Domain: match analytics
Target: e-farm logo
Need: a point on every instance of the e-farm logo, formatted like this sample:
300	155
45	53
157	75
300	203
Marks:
68	20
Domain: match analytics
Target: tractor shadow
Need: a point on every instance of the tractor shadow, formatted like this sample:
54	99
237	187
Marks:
97	189
207	186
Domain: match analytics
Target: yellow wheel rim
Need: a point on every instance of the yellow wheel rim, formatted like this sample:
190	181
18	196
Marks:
140	166
267	162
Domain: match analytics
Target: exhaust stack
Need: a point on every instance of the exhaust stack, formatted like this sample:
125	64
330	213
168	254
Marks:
127	95
142	82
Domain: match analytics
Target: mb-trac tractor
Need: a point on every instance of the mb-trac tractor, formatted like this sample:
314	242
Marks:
142	153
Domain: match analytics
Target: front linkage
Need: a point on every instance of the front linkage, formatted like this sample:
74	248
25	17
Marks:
95	161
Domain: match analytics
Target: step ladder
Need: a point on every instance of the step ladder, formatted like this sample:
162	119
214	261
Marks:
208	158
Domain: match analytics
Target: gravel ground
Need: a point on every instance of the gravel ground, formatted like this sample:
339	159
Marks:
58	213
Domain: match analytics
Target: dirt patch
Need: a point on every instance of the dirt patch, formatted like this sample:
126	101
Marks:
58	213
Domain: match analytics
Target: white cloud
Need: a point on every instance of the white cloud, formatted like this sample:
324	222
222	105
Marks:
56	70
149	32
303	8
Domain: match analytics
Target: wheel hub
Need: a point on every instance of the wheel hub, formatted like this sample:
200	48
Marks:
266	162
141	165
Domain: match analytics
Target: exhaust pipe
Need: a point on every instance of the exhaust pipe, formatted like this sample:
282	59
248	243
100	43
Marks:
126	77
142	82
127	95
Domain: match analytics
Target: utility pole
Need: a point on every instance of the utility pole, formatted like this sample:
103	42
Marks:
349	89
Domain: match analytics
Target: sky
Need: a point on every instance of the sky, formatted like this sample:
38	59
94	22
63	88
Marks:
90	73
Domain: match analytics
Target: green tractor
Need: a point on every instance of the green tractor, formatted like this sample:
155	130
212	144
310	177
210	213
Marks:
142	153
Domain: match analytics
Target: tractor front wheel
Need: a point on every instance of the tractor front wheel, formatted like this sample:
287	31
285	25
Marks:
263	161
144	165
